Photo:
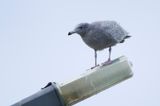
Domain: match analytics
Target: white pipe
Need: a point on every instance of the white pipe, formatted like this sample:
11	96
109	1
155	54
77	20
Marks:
95	80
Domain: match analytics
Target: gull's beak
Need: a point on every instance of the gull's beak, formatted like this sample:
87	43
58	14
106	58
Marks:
72	32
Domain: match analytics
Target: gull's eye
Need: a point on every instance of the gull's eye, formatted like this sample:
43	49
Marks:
80	27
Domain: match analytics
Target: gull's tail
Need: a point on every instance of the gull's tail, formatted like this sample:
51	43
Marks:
126	37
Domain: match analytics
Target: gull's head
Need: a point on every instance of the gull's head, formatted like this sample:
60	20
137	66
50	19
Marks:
81	29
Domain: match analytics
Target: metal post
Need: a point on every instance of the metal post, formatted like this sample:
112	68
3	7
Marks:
88	84
95	80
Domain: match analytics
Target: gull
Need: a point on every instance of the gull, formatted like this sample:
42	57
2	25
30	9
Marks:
100	35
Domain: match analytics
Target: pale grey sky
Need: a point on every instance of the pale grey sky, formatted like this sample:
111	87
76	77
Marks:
35	48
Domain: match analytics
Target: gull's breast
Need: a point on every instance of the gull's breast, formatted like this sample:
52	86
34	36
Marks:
98	42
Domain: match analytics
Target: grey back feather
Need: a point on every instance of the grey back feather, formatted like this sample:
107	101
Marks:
112	28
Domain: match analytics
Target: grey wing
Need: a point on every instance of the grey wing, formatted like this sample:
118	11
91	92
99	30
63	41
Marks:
113	29
99	39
